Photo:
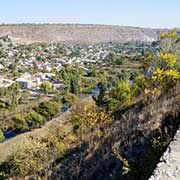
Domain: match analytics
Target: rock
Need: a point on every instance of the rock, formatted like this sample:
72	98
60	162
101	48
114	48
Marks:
169	166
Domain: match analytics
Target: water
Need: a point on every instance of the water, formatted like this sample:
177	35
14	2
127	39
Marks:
64	108
94	91
9	134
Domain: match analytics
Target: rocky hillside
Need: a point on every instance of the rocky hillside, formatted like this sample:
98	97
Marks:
76	33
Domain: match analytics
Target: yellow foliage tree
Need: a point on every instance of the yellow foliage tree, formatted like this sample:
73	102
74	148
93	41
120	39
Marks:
169	35
168	58
165	74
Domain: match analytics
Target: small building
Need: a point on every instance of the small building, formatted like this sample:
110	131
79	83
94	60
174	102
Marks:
25	83
5	82
1	67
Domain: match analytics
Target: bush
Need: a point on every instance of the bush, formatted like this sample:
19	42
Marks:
3	105
139	85
46	86
87	115
48	109
35	119
1	136
119	61
31	159
70	99
169	35
123	92
20	123
167	59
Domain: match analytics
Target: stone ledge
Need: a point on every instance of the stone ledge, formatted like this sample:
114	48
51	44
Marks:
169	166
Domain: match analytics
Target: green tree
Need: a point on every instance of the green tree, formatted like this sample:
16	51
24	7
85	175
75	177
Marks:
71	77
48	109
20	123
74	87
14	93
24	96
36	119
13	67
122	94
46	86
101	97
70	99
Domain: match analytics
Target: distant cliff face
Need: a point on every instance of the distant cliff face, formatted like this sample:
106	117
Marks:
76	33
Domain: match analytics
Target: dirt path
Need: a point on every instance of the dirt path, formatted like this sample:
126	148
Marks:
12	144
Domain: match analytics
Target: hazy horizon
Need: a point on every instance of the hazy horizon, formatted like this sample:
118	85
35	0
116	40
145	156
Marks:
146	14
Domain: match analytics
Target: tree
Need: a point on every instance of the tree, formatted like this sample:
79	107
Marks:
35	119
46	86
92	72
100	98
147	59
20	123
48	109
74	87
70	99
122	93
24	96
71	77
13	67
14	92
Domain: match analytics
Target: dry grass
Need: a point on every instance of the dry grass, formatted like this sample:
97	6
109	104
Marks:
105	149
75	33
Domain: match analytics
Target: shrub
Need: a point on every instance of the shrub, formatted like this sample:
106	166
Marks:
46	86
169	35
165	78
168	59
70	99
165	73
1	136
87	115
139	85
3	105
123	93
36	119
31	159
20	124
48	109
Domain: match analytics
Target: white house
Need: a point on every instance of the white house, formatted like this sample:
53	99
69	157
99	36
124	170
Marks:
1	67
5	82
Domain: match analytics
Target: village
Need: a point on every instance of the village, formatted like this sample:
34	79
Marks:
55	76
30	65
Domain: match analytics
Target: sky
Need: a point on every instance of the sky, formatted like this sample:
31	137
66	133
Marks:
141	13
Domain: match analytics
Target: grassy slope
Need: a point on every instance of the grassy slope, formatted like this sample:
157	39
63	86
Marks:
11	145
102	158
